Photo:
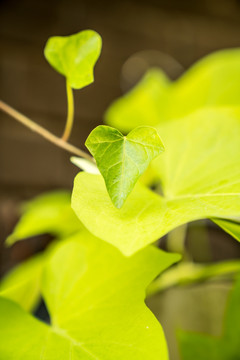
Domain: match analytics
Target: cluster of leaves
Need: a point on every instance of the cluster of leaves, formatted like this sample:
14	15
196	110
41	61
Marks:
94	291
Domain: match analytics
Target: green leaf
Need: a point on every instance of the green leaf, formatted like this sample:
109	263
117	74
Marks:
22	284
212	81
95	297
201	347
48	213
200	175
74	56
123	159
142	105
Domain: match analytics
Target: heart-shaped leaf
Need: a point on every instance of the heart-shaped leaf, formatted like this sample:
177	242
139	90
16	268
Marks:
123	159
74	56
95	298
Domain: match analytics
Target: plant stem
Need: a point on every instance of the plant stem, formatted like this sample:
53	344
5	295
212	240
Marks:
43	132
189	273
70	114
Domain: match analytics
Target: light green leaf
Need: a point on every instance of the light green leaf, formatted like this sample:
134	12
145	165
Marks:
123	159
212	81
200	175
74	56
95	297
48	213
22	284
143	105
203	346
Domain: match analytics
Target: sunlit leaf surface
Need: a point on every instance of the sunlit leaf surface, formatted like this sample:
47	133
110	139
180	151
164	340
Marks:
95	297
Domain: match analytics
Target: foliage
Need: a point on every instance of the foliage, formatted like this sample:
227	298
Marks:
199	180
95	293
95	299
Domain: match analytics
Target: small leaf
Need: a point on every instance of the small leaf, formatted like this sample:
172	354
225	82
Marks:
95	298
49	213
74	56
123	159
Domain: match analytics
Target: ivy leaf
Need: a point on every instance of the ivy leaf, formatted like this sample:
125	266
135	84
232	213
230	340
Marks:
200	176
212	81
74	56
123	159
142	105
95	297
200	346
48	213
22	284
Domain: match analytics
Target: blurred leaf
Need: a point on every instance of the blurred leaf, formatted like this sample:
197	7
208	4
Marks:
22	284
74	56
201	347
49	213
232	227
190	273
200	176
95	297
212	81
123	159
143	105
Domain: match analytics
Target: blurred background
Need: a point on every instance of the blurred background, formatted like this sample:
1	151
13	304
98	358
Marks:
136	35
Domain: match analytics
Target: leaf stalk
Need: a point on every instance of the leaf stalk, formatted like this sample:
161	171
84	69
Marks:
70	114
43	132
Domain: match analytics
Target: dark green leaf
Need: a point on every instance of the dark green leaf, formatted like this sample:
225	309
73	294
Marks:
123	159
